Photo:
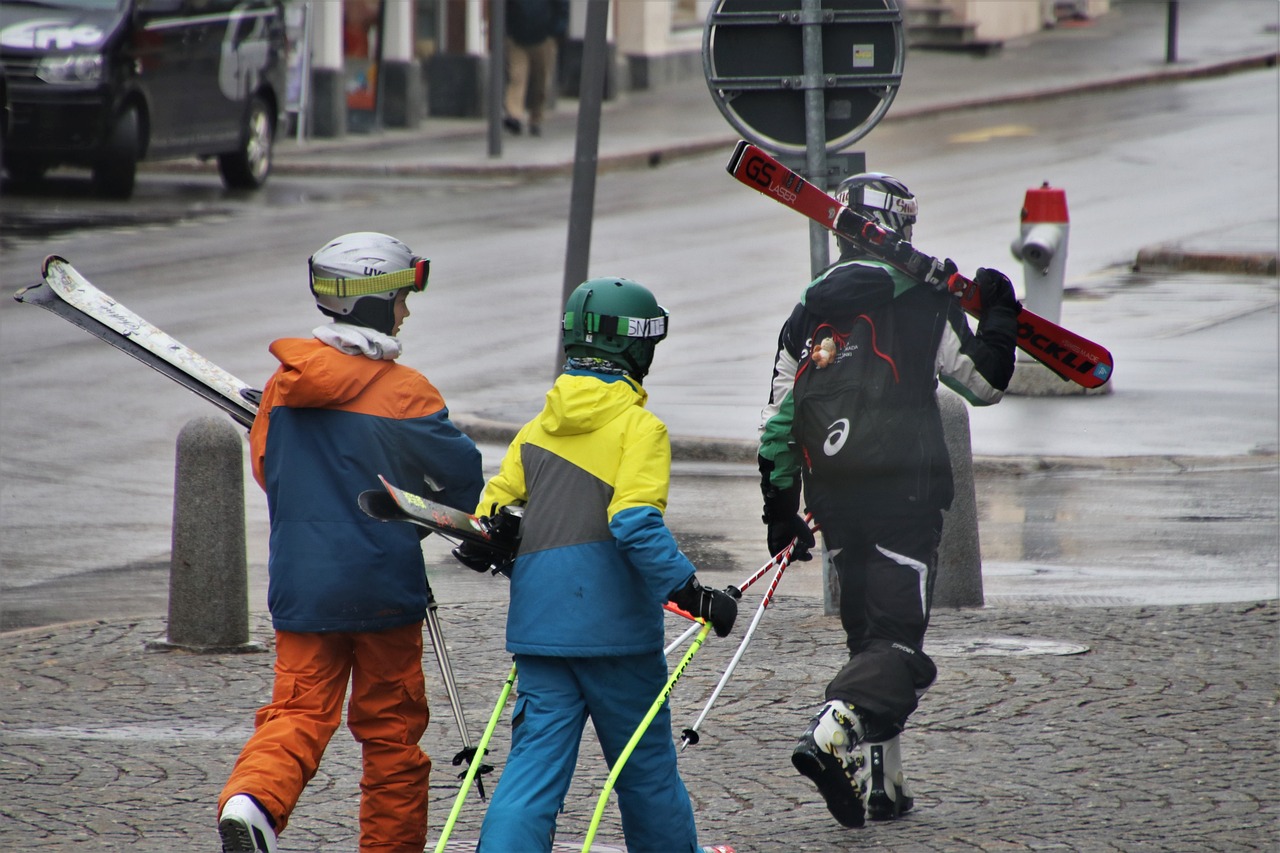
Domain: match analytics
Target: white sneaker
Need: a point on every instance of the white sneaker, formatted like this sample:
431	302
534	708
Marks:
881	781
245	828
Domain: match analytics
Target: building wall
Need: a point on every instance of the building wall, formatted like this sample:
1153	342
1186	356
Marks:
652	42
1000	20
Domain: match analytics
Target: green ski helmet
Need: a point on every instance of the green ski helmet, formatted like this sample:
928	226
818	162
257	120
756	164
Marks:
615	319
355	277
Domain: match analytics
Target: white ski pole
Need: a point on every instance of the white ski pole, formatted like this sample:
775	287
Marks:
782	560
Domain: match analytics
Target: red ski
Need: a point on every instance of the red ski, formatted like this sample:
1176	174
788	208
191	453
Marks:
1067	354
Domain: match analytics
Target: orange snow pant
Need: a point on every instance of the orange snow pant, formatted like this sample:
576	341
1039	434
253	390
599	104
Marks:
387	715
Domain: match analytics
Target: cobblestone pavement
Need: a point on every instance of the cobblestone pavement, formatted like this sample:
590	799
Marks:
1161	736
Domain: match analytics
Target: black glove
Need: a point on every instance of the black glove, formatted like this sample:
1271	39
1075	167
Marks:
716	607
782	516
503	527
790	527
503	530
481	559
996	291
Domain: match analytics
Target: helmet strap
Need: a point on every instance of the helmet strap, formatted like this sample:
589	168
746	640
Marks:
608	324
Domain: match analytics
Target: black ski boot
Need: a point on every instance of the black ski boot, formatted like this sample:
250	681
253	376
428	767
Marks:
828	754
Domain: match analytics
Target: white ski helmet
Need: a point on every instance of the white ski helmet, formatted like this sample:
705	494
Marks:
881	197
355	277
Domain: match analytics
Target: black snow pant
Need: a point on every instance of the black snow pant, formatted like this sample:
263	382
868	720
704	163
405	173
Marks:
886	562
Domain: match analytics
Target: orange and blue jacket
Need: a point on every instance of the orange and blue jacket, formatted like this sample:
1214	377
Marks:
328	424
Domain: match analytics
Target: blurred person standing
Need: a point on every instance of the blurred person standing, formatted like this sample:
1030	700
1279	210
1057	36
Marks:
534	29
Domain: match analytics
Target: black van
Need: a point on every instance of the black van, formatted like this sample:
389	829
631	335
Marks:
105	83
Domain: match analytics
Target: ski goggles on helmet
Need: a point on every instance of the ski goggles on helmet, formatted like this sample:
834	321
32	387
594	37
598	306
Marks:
588	324
414	278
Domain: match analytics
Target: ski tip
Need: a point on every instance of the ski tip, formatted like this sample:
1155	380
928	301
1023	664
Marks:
732	166
379	505
50	261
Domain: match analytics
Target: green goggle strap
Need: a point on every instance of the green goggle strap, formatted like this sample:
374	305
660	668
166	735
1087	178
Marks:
626	327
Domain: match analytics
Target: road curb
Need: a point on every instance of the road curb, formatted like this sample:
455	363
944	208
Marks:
1125	81
729	450
1174	258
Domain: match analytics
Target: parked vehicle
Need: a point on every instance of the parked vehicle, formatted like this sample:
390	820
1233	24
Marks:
104	84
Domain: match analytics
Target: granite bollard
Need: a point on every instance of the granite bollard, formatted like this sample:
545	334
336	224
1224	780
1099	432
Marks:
208	573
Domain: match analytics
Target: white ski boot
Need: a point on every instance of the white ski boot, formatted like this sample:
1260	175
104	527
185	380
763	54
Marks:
828	754
882	782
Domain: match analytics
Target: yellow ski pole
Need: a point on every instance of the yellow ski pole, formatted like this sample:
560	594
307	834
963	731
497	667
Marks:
481	749
635	738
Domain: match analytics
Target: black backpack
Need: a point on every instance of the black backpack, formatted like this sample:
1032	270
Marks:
845	417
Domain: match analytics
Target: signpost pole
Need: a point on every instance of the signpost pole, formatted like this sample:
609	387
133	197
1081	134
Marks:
815	130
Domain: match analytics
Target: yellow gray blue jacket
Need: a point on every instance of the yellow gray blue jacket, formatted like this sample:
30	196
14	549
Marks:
596	561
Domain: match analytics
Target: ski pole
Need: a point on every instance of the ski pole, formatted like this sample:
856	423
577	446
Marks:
468	752
639	732
482	748
782	559
679	641
670	607
735	591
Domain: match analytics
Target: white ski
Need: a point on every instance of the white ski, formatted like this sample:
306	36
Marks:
70	295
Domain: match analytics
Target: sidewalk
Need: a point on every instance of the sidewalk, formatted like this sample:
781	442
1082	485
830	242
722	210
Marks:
1051	727
1126	47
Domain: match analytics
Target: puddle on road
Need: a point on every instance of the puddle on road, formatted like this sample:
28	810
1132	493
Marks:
955	647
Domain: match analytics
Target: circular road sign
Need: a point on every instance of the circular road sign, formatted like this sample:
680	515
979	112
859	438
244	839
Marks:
753	56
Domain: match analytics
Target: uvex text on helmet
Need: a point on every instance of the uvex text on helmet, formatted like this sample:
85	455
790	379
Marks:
883	198
355	277
615	319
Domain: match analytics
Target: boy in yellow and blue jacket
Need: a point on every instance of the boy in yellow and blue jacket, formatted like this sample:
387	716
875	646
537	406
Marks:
595	565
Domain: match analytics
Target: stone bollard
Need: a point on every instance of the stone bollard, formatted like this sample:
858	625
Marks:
208	574
959	580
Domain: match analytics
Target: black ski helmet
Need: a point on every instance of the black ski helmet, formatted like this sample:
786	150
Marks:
881	197
355	277
615	319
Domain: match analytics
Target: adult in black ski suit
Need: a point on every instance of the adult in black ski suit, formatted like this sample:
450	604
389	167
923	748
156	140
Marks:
880	514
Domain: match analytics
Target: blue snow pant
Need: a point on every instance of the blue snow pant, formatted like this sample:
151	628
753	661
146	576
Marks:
554	699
